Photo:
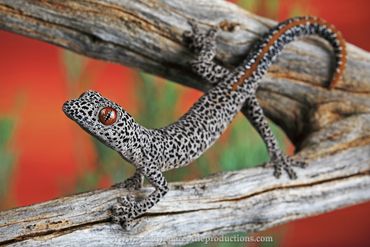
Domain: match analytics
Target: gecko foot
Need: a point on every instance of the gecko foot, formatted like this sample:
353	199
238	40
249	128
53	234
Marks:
198	40
133	183
124	211
286	163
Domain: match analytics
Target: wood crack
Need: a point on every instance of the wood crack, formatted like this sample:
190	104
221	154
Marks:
58	232
296	186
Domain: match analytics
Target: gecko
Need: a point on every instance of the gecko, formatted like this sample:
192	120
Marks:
154	151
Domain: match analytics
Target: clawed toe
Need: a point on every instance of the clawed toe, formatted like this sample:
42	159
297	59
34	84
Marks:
118	213
196	39
285	163
126	201
130	184
291	173
121	212
300	164
194	27
187	35
212	32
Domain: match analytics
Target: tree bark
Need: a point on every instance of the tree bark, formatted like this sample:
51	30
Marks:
331	128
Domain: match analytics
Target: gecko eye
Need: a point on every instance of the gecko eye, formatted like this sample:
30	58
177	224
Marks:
107	116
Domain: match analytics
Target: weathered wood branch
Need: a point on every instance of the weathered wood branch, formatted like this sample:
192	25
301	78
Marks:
331	127
248	200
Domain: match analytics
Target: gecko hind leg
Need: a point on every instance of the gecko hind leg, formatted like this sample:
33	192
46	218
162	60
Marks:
204	45
278	160
204	66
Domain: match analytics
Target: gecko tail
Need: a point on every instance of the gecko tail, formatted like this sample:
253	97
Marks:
287	31
336	40
311	25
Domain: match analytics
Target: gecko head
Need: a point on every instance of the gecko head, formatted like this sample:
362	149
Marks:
103	119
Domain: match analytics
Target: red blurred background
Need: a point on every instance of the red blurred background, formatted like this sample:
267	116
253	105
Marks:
34	85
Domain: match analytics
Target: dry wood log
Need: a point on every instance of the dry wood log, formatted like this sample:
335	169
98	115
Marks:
331	128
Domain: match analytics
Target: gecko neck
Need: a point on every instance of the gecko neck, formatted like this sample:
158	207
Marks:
131	145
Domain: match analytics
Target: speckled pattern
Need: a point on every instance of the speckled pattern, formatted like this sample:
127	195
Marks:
153	151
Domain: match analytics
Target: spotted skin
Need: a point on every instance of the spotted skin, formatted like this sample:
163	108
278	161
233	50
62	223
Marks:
153	151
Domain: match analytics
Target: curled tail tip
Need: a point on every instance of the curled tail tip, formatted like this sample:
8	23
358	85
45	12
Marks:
332	85
341	67
338	76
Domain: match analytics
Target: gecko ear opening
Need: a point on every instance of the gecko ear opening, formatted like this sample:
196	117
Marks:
107	116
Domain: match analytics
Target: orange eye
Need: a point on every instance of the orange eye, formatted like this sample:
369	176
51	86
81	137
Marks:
107	116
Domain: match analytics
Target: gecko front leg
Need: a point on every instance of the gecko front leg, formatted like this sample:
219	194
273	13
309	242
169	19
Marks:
128	209
204	45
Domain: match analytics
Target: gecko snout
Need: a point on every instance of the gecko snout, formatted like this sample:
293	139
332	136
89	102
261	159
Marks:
66	106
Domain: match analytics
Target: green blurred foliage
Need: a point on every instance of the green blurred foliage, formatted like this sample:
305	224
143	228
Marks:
74	65
108	164
268	8
297	10
158	100
7	155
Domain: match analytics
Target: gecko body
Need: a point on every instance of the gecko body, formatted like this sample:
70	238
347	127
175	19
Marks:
153	151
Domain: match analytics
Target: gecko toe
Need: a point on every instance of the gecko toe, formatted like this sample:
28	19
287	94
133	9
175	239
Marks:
123	211
286	163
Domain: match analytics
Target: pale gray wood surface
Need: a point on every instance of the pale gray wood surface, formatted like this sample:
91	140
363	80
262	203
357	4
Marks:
330	127
247	200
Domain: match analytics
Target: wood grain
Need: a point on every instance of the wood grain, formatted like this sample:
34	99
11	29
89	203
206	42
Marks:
331	128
